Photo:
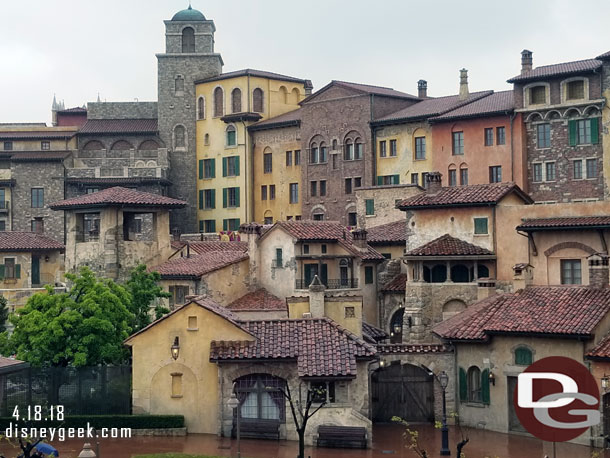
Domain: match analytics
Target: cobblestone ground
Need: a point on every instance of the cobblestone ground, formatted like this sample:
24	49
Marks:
388	443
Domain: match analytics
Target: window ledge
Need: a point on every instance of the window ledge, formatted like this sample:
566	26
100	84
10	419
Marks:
192	329
176	396
369	216
481	235
479	405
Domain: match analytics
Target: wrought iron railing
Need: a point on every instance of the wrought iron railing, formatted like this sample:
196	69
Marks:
342	283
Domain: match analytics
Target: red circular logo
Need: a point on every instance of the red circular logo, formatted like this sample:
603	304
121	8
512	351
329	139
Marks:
556	399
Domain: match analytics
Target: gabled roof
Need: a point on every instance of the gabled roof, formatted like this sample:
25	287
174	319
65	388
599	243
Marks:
119	126
372	334
388	234
118	196
27	241
428	108
550	71
560	311
470	196
494	104
320	346
398	284
564	223
259	300
365	89
292	118
200	301
601	351
446	245
196	266
258	74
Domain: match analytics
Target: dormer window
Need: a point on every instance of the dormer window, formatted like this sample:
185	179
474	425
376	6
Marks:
576	90
538	95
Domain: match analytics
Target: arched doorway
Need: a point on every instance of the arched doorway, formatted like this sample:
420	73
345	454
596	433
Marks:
396	326
402	390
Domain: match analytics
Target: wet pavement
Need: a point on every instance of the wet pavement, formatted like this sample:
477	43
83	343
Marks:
388	443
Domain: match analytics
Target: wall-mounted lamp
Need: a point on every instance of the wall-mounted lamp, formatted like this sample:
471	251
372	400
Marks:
397	328
443	379
46	258
176	348
492	378
606	382
383	363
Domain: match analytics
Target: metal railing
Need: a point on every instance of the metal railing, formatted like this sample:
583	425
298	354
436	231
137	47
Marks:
344	283
88	236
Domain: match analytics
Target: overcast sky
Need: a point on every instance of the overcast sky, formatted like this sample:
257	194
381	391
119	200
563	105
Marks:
77	48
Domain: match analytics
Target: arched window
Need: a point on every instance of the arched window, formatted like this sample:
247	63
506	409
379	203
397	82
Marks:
474	384
460	274
314	157
439	273
149	145
396	324
93	145
296	95
206	139
261	396
283	94
323	152
179	83
179	137
344	272
358	149
236	100
335	144
201	108
523	356
188	40
122	145
257	100
349	150
218	102
231	136
482	271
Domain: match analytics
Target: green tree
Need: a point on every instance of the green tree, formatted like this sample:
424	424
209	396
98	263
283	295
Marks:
84	326
3	313
144	289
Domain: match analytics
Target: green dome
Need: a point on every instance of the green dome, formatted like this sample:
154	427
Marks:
189	15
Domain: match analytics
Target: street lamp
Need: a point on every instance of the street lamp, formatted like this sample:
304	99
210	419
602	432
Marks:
175	348
443	379
605	382
234	403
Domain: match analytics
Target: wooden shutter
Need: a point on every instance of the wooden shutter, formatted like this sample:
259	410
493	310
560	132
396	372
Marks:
225	224
224	166
1	271
379	181
236	166
212	225
200	225
396	179
370	206
213	168
201	199
237	197
463	385
595	131
201	169
224	198
18	271
572	130
485	386
213	193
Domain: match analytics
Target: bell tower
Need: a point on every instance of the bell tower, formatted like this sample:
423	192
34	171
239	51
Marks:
189	56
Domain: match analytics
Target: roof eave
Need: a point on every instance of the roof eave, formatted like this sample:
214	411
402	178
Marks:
448	257
277	125
562	228
488	114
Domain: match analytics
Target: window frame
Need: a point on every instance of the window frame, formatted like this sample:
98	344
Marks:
570	271
420	148
39	199
495	174
546	135
457	147
477	228
501	135
489	136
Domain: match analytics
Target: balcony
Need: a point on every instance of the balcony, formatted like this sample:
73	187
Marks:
87	236
347	283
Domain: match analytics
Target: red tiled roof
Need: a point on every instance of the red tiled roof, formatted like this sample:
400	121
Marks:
601	350
118	196
320	346
39	156
119	126
472	195
397	284
11	364
446	245
390	233
292	118
498	102
430	107
35	134
556	310
256	73
566	68
604	56
372	334
27	241
199	265
118	180
259	300
388	349
564	222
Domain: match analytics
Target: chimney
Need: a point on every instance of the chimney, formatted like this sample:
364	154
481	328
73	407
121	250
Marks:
486	287
422	89
522	276
598	270
250	234
433	182
526	61
359	237
463	84
316	298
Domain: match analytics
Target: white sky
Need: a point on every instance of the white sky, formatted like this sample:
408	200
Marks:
77	48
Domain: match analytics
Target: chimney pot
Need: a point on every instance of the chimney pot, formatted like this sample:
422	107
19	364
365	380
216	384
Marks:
526	61
433	182
422	89
464	84
599	270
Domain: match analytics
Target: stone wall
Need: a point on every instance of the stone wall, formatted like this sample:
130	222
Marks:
121	110
385	198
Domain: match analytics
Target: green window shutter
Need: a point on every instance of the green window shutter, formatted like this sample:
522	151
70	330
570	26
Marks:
396	179
572	130
213	175
1	271
213	193
368	275
463	385
238	223
278	257
379	181
480	226
237	197
18	271
225	224
370	206
201	199
236	166
485	386
224	166
213	225
595	130
523	356
200	225
201	169
224	198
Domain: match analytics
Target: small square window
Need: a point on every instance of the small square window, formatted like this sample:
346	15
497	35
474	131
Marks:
576	90
8	146
45	145
537	95
480	226
192	323
305	249
350	312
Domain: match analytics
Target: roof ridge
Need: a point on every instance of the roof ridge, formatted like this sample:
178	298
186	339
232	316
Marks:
364	84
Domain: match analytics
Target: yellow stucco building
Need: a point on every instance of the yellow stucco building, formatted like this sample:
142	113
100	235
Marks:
226	106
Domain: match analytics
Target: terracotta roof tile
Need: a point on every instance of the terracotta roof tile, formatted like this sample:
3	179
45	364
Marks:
200	264
259	300
431	107
549	71
601	350
372	334
392	233
376	90
292	118
397	284
118	196
388	349
258	74
478	194
27	241
320	346
39	156
498	102
35	134
446	245
119	126
564	222
555	310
